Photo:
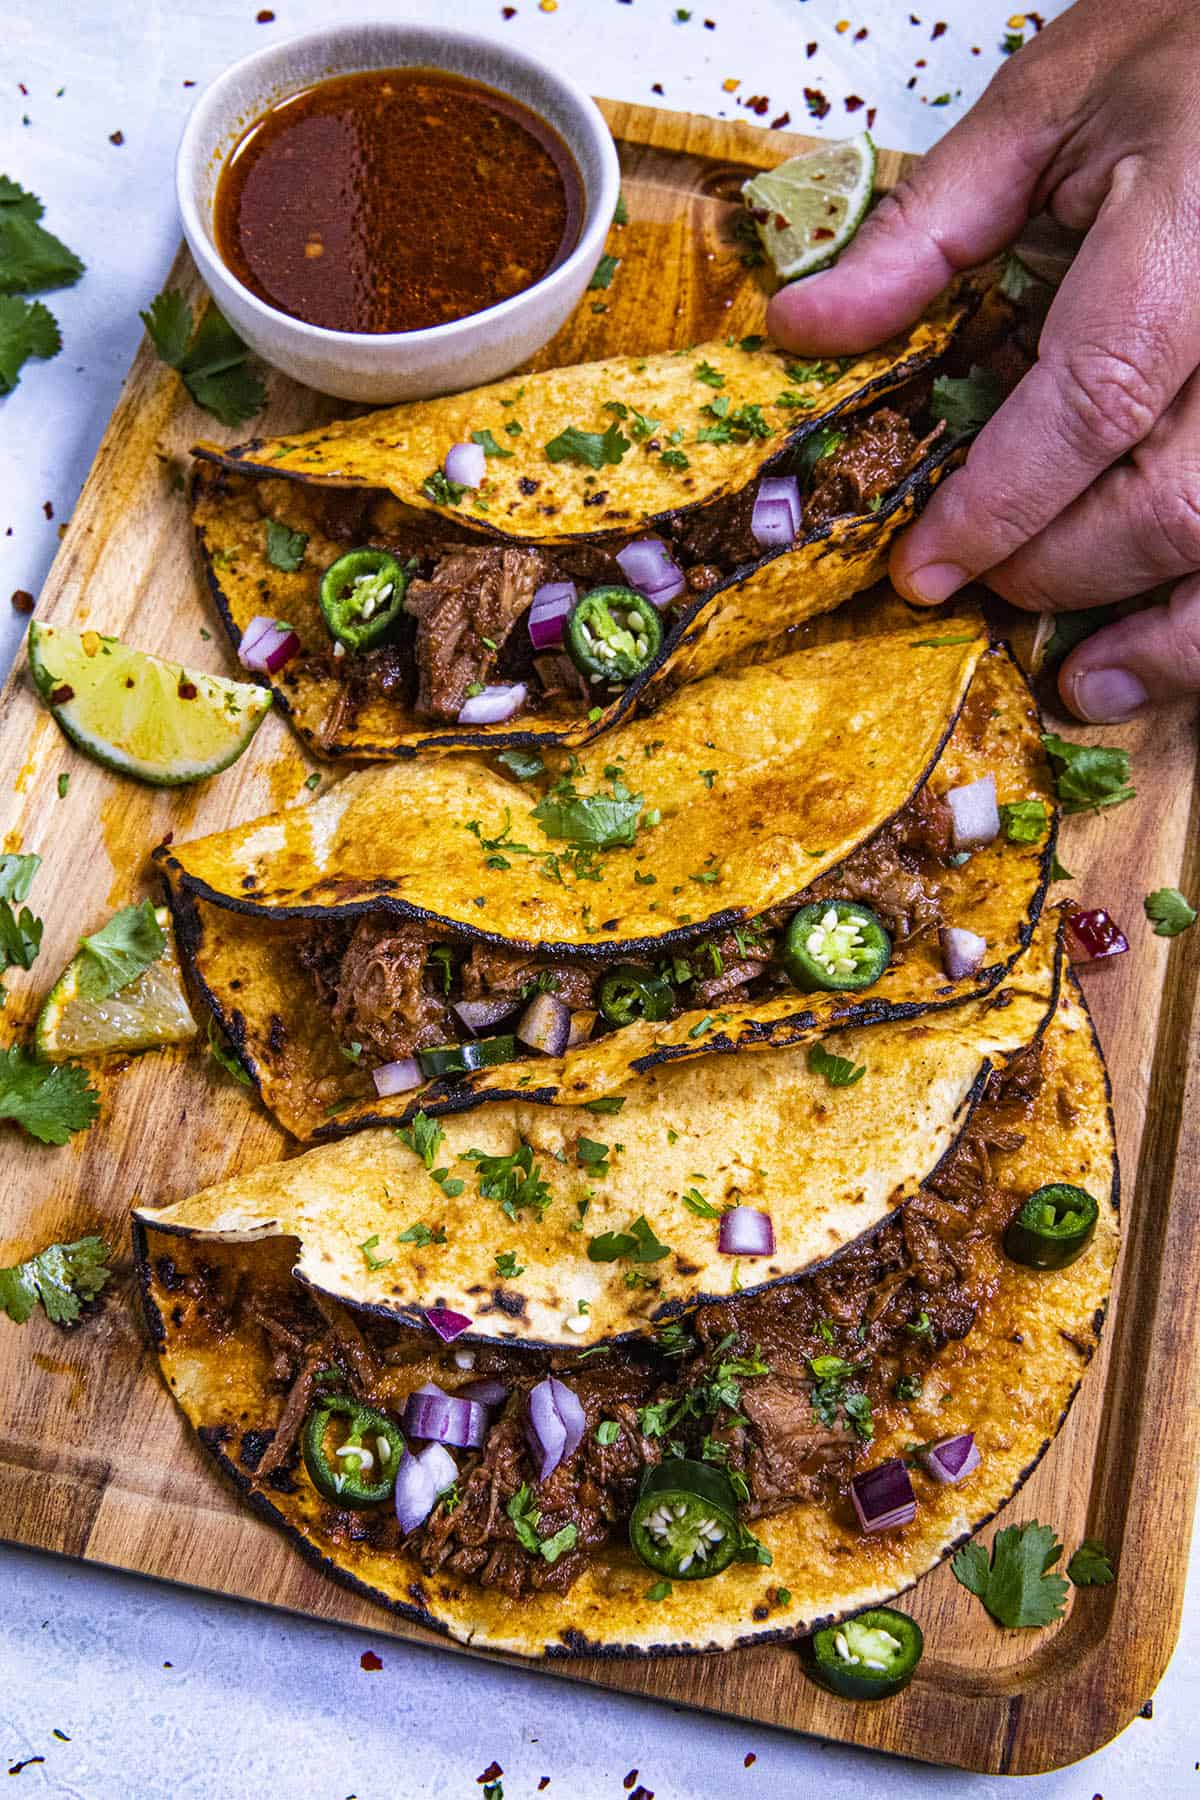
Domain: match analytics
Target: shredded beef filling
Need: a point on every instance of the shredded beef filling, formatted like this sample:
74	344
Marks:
388	987
734	1383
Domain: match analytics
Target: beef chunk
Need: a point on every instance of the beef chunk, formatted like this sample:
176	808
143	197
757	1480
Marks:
875	453
377	987
488	974
718	537
472	596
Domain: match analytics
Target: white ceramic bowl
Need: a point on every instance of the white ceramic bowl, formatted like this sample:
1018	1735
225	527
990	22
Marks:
405	365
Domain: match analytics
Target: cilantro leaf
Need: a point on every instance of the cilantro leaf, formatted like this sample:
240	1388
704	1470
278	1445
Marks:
525	1515
120	951
1073	628
285	547
553	1547
19	198
705	372
232	397
27	329
591	449
61	1277
1091	1565
515	1181
524	764
442	492
1015	1587
488	444
611	1103
32	259
508	1266
1166	909
602	820
212	364
20	932
1024	821
838	1071
16	875
222	1053
604	271
424	1138
639	1244
168	322
51	1100
966	403
1088	776
421	1234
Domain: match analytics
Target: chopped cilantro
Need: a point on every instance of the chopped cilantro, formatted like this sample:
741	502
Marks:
591	449
221	1053
62	1277
621	211
1088	776
369	1257
1015	1587
1091	1565
313	781
424	1137
524	1515
1168	912
607	1432
554	1547
638	1243
695	1202
602	821
285	547
508	1266
675	459
524	764
211	361
711	377
604	271
939	643
120	951
488	444
64	782
592	1156
920	1327
966	402
609	1104
20	932
50	1100
515	1181
1059	871
838	1071
440	490
1024	821
831	1394
660	1590
422	1234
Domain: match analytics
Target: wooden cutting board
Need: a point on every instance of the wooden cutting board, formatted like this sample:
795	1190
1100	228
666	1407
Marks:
94	1460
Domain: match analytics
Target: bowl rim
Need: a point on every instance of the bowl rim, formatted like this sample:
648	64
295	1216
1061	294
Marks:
597	211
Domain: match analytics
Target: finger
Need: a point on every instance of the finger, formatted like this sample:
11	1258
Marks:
1148	656
966	199
1120	339
1138	525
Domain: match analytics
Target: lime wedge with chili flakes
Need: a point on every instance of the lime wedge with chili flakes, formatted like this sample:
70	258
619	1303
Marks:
139	715
150	1011
808	209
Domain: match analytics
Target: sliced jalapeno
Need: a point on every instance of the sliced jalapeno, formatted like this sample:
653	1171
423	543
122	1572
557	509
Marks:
612	635
351	1452
836	945
628	992
684	1522
868	1657
462	1059
1053	1227
362	597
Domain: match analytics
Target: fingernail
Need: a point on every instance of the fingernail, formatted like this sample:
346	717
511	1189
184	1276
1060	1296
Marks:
936	582
1105	696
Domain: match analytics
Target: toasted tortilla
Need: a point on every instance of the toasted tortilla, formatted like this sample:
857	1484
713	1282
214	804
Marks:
1010	1381
804	777
768	1132
530	499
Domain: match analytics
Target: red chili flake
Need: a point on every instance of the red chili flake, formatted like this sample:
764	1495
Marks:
913	19
748	1759
642	1793
48	509
117	138
852	103
61	694
710	24
911	82
22	600
508	12
785	118
821	231
757	103
938	31
810	49
920	63
974	49
189	84
871	110
657	88
493	1772
369	1660
23	89
265	17
1038	20
187	690
816	102
543	1783
860	34
629	1780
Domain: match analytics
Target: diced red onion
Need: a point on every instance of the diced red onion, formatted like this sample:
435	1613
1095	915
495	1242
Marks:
744	1231
465	465
444	1418
480	1015
448	1325
648	566
1093	934
419	1482
582	1026
883	1496
552	604
397	1077
556	1424
975	816
484	1392
777	513
493	705
266	645
545	1024
962	951
951	1459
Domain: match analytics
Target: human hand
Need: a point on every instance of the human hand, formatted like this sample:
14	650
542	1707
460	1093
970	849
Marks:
1084	487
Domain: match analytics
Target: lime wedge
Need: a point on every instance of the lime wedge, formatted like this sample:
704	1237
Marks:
809	208
139	715
152	1010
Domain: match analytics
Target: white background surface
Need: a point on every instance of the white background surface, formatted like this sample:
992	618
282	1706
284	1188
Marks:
164	1693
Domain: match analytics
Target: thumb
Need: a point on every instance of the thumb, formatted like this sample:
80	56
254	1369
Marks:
966	200
1148	656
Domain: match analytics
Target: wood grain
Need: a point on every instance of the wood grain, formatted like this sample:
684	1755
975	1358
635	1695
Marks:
94	1460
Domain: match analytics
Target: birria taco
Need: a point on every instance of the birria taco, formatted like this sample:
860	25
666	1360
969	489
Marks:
749	1468
628	524
806	842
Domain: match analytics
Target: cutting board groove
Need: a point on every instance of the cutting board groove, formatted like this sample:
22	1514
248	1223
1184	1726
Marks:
94	1460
